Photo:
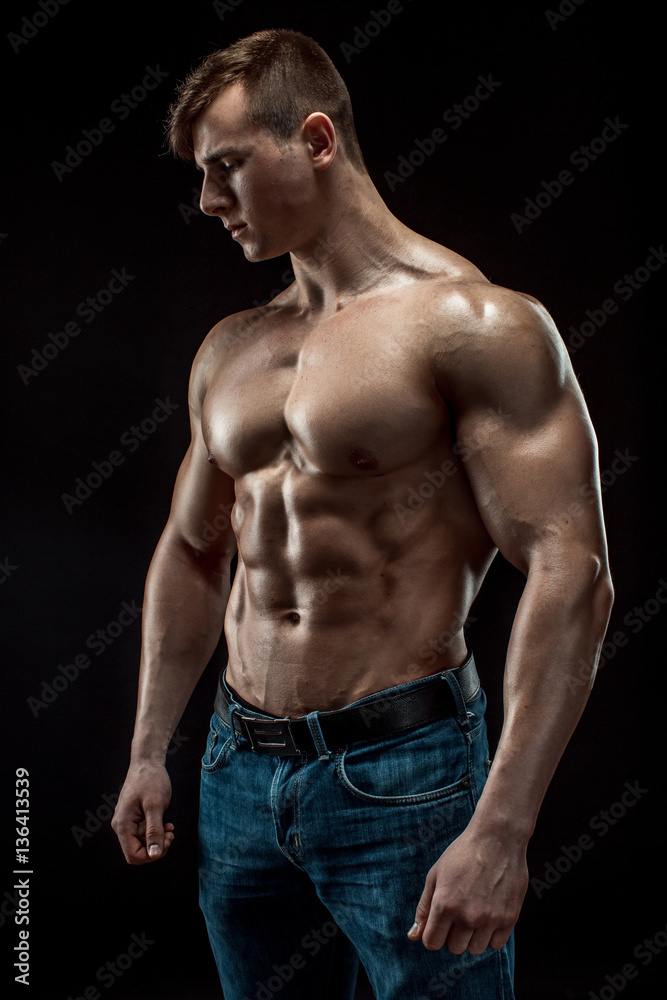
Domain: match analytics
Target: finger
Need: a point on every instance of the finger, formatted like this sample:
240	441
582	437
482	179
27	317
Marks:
479	942
458	939
133	846
500	937
436	926
136	851
167	842
168	838
469	933
423	909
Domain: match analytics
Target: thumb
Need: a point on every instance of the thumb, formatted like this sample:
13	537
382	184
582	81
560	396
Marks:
154	833
423	910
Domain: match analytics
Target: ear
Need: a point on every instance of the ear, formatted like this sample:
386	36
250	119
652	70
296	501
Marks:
319	134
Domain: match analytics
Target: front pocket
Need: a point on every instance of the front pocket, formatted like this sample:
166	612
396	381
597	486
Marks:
422	764
218	745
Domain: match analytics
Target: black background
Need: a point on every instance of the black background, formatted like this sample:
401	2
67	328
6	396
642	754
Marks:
67	573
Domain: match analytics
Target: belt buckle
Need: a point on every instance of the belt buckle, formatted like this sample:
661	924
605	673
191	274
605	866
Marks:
262	735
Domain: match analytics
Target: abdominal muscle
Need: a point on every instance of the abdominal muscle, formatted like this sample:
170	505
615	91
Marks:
344	587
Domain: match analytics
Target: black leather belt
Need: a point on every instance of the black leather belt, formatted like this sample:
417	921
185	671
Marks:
379	716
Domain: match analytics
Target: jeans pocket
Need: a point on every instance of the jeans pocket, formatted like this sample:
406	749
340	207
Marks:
423	764
218	745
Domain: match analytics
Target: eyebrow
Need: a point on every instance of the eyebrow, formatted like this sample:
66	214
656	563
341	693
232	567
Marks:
217	154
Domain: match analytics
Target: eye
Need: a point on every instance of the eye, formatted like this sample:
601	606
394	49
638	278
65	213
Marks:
230	167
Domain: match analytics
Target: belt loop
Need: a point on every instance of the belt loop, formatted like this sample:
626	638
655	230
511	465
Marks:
323	752
232	709
450	677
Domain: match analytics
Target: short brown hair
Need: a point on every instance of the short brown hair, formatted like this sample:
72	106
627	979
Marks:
286	76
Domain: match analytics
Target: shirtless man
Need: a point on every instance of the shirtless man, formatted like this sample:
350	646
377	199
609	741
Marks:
376	434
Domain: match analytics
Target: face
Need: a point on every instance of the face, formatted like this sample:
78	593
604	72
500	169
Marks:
264	193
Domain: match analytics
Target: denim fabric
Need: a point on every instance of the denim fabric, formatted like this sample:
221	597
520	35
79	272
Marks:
311	862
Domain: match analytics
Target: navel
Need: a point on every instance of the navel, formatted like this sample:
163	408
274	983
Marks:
293	616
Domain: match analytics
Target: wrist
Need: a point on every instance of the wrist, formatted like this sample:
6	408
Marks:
505	826
147	754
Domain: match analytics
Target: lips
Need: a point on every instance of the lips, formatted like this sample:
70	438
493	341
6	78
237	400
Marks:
235	229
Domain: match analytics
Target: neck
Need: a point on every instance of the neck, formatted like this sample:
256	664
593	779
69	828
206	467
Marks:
358	244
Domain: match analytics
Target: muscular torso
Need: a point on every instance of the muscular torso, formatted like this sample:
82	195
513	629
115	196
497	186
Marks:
360	546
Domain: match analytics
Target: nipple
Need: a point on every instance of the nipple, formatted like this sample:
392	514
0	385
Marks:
363	459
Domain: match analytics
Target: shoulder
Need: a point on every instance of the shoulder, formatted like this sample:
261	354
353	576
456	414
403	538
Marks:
463	315
228	338
487	338
467	305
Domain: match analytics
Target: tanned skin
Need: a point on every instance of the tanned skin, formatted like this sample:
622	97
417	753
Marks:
389	358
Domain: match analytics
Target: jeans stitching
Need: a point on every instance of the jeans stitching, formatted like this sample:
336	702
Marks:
446	792
277	776
297	806
225	747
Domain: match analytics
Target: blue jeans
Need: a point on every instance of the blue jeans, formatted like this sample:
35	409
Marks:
311	862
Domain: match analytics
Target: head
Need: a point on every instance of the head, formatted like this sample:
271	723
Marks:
276	98
285	76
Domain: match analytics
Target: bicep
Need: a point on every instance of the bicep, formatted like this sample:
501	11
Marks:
204	495
537	488
529	448
202	502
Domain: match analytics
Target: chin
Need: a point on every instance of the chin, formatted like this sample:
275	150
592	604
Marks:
255	254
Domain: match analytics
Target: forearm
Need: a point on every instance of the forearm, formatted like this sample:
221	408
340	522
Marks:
559	625
183	614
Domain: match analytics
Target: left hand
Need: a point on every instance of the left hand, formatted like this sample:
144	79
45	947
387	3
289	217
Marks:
473	894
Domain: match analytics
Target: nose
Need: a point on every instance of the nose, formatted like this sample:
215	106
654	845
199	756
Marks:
216	195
